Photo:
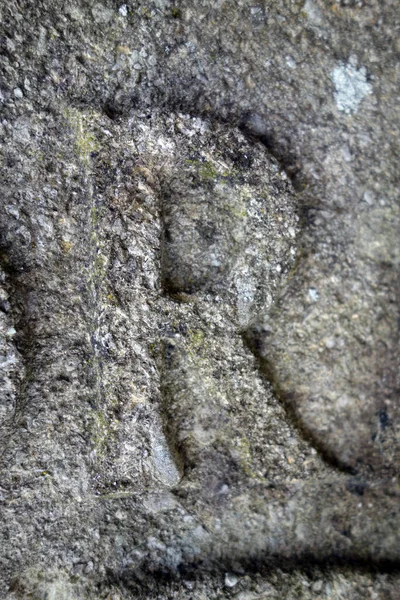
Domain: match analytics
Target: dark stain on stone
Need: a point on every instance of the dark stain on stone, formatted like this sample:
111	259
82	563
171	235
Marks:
356	486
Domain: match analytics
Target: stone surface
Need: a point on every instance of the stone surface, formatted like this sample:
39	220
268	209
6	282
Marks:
192	191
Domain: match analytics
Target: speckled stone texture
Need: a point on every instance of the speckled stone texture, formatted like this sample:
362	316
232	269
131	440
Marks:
199	291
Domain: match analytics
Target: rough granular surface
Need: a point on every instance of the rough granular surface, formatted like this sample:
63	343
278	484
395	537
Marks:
199	292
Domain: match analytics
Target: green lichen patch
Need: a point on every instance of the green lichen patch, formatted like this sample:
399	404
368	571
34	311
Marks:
83	125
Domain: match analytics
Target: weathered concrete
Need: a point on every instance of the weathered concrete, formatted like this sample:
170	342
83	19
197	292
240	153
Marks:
192	191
